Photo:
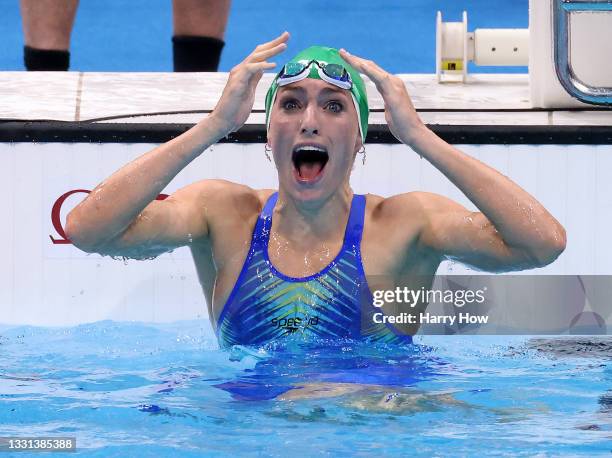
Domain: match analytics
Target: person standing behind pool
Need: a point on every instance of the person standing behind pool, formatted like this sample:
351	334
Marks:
274	264
198	25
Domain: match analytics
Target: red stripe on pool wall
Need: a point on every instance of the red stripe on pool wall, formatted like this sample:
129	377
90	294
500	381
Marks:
57	221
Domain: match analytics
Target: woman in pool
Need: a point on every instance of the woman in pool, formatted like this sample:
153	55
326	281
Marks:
295	262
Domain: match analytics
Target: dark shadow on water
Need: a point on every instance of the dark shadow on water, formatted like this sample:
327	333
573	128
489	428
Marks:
585	346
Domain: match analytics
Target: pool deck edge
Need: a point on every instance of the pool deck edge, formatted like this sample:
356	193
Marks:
158	106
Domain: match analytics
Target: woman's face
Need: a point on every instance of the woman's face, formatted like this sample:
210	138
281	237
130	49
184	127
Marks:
314	135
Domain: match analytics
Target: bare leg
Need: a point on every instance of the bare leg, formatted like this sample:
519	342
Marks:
199	28
318	390
376	398
47	24
206	18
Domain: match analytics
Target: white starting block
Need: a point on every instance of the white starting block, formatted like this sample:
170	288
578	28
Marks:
568	48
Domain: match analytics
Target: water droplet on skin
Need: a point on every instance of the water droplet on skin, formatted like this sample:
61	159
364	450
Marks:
96	193
98	189
325	254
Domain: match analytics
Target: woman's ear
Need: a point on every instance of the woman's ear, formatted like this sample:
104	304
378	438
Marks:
358	144
358	141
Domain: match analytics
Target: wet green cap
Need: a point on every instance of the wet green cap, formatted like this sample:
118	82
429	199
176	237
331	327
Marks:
326	55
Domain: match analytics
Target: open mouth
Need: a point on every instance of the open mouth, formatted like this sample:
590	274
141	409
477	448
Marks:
309	162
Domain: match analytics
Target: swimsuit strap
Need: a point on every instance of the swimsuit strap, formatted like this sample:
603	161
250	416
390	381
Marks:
354	226
269	207
261	233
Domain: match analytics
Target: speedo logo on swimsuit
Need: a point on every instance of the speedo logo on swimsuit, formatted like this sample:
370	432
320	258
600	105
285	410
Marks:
295	324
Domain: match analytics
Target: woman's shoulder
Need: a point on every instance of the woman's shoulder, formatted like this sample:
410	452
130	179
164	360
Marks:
224	198
399	205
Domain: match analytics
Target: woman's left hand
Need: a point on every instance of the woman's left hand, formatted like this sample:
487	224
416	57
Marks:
402	118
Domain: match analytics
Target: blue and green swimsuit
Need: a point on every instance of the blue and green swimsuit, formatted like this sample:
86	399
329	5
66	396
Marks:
265	305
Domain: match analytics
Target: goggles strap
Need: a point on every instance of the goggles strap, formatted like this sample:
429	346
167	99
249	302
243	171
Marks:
358	117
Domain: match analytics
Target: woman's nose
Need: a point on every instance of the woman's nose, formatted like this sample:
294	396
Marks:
309	121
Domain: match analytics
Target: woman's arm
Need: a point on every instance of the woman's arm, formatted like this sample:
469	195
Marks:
511	231
122	215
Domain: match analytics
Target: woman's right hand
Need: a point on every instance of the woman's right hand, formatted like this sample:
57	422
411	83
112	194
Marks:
236	102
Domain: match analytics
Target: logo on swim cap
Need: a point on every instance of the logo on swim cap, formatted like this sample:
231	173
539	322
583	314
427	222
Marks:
325	55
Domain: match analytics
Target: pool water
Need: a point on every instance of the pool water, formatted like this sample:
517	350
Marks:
132	389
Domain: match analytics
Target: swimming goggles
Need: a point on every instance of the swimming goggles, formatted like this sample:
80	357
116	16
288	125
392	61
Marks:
331	73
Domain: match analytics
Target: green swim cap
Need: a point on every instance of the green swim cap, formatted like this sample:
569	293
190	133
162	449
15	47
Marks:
328	56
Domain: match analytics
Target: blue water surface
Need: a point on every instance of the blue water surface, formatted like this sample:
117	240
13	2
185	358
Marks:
132	389
133	36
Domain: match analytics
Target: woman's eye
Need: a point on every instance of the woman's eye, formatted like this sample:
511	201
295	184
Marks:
290	105
334	107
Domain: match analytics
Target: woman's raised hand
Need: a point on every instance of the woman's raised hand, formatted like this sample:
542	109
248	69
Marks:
402	118
236	102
